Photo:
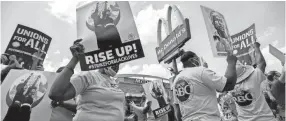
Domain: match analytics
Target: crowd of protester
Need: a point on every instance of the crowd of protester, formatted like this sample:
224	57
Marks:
246	92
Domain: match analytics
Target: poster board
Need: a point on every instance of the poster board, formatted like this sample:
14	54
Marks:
156	93
26	42
218	34
109	34
241	43
35	84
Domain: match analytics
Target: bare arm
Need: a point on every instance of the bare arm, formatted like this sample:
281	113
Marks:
260	61
14	64
69	106
270	95
282	77
62	89
230	73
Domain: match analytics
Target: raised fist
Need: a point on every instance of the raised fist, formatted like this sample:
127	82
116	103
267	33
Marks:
256	45
77	48
231	59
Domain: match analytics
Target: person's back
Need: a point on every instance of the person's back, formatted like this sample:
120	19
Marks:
250	101
99	100
196	96
194	89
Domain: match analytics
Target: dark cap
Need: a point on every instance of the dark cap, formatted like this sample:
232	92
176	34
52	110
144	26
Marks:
187	55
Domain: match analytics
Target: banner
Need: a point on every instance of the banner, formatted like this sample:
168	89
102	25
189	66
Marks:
26	43
156	93
218	33
34	86
109	34
277	53
241	43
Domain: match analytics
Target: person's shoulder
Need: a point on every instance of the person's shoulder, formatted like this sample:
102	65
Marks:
87	73
194	69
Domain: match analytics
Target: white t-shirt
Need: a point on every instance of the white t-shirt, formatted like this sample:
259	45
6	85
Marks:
250	101
99	98
194	89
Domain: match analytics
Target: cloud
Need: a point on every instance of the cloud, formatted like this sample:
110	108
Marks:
275	43
269	31
64	62
155	70
127	69
146	22
64	10
272	62
57	52
49	66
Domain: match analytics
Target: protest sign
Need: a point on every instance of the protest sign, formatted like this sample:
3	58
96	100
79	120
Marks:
218	33
156	93
159	112
277	53
22	85
28	45
241	43
109	34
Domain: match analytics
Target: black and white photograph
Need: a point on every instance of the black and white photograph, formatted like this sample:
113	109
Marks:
70	60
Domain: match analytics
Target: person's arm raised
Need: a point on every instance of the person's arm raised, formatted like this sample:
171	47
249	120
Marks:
260	61
13	64
230	73
62	89
282	77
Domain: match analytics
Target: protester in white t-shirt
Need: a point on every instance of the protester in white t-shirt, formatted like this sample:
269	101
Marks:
99	96
250	101
194	89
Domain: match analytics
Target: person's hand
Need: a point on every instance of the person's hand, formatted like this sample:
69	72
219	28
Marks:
256	45
131	103
231	59
77	48
4	58
40	68
205	65
37	55
14	62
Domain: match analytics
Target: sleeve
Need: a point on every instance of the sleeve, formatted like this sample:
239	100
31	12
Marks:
81	82
213	80
260	77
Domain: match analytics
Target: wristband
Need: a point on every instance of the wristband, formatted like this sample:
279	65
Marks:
70	69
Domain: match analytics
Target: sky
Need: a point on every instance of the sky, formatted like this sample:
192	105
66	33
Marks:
58	20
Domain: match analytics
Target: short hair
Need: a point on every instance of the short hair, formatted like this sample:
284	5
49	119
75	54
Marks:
187	55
